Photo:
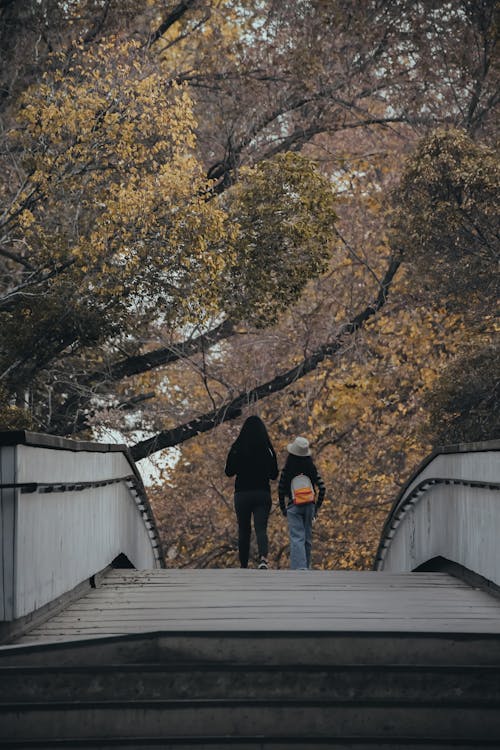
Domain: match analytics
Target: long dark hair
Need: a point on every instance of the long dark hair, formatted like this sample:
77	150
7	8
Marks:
298	465
253	437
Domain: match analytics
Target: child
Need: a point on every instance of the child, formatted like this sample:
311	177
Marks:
300	516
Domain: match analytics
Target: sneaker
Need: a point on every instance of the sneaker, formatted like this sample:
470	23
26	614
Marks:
263	564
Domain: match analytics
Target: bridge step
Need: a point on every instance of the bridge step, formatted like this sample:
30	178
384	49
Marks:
253	717
367	648
245	681
258	692
251	743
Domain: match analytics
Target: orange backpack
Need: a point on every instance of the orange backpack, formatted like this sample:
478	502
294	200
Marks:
302	490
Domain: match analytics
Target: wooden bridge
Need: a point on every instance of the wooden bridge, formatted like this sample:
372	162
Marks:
103	648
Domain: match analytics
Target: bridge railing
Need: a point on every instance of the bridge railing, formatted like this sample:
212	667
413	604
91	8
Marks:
68	509
448	511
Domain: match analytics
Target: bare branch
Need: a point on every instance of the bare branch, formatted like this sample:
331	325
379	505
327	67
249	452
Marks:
94	32
163	356
126	368
10	300
177	13
16	258
233	409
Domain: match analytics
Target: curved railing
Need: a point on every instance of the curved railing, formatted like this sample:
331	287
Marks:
448	511
68	509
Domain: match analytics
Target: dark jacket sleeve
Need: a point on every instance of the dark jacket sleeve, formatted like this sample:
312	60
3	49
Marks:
283	490
231	462
273	465
318	481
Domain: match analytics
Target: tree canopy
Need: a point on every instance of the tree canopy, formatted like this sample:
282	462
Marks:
215	208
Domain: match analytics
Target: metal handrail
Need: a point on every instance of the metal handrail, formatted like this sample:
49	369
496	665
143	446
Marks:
29	487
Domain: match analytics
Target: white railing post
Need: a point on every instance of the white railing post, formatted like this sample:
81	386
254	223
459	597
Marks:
8	506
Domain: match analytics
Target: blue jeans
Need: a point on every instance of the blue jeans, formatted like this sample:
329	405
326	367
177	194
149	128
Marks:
300	518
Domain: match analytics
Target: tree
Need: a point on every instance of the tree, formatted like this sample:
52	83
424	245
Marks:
264	79
367	410
429	79
109	222
105	221
465	401
447	224
364	410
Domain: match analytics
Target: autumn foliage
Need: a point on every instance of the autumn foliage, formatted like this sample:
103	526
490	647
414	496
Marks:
212	209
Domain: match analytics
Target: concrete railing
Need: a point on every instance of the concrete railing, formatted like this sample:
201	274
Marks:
448	511
67	510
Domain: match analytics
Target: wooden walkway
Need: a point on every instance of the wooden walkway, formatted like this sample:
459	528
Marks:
131	601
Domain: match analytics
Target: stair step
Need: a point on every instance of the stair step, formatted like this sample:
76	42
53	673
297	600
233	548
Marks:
253	743
265	648
252	718
148	681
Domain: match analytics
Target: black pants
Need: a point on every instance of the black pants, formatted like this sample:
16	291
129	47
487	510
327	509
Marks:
246	504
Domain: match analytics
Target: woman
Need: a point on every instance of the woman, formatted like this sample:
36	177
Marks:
253	460
300	514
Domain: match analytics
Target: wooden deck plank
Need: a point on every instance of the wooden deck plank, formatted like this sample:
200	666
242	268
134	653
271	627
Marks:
234	600
282	610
